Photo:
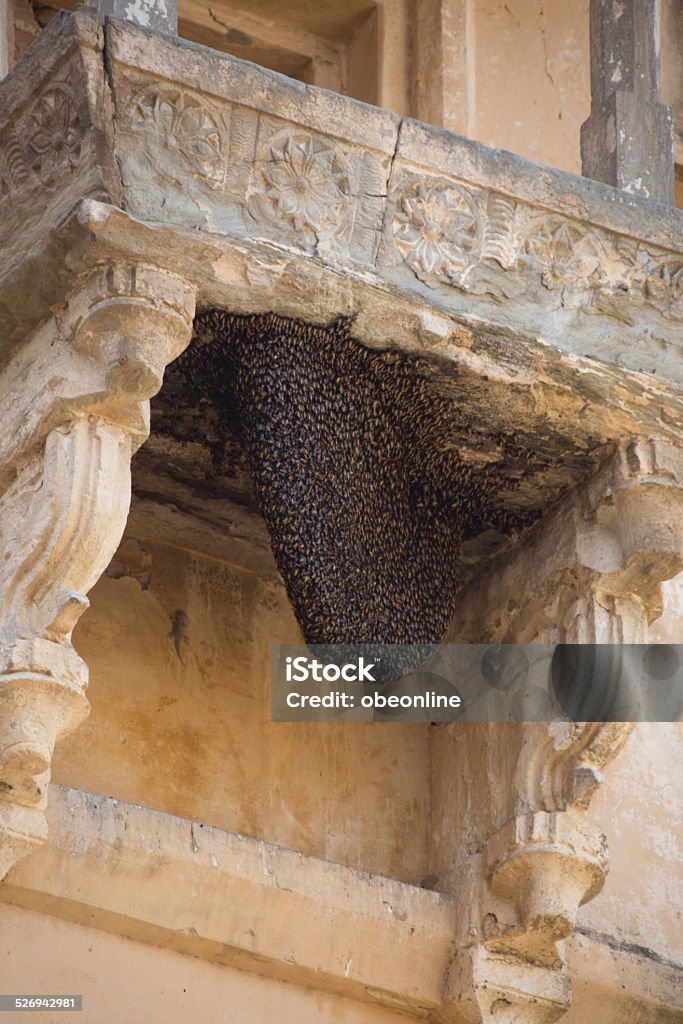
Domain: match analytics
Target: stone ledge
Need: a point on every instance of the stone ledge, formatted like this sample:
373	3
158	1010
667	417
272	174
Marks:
632	985
565	407
226	898
218	146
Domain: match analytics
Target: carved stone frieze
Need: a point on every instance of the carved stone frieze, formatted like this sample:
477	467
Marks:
451	233
306	182
76	402
273	171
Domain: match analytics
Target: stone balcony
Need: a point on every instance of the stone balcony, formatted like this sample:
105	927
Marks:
548	306
143	177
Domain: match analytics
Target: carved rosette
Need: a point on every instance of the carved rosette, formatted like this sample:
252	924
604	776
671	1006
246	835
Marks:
480	241
41	147
190	133
79	413
306	182
437	230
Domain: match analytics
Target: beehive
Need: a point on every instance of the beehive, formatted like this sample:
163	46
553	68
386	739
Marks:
365	496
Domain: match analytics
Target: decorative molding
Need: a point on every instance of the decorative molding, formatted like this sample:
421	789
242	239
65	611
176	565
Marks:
76	401
449	232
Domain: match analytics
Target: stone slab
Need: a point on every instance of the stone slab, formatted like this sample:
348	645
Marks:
224	897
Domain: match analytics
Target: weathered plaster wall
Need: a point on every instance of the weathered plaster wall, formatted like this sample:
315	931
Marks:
531	87
640	810
187	731
121	980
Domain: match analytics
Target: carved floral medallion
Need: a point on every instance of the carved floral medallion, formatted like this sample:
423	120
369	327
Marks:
188	129
437	230
54	134
307	184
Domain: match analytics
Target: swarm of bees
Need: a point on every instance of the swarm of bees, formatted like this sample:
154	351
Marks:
365	500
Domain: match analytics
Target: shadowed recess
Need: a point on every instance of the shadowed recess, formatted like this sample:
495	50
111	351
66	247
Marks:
354	466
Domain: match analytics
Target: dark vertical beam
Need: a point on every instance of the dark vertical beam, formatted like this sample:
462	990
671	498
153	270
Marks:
628	139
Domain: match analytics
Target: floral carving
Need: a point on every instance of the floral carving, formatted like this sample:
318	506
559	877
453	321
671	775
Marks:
471	239
437	230
307	184
38	151
567	253
187	127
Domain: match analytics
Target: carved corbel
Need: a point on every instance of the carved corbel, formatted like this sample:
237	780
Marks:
522	890
629	539
77	396
592	571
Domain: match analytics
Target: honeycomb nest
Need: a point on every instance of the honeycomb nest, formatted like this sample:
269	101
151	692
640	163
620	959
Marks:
365	495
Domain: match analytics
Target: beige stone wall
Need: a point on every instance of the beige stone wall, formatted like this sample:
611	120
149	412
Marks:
515	75
189	732
640	810
121	980
532	78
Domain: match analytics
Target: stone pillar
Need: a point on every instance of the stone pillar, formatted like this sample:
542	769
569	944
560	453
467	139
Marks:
75	399
628	139
442	63
160	15
6	36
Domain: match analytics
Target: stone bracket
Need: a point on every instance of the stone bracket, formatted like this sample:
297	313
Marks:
532	877
520	889
76	397
592	571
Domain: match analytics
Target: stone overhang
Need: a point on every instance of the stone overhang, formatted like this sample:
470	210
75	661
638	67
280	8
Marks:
549	306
